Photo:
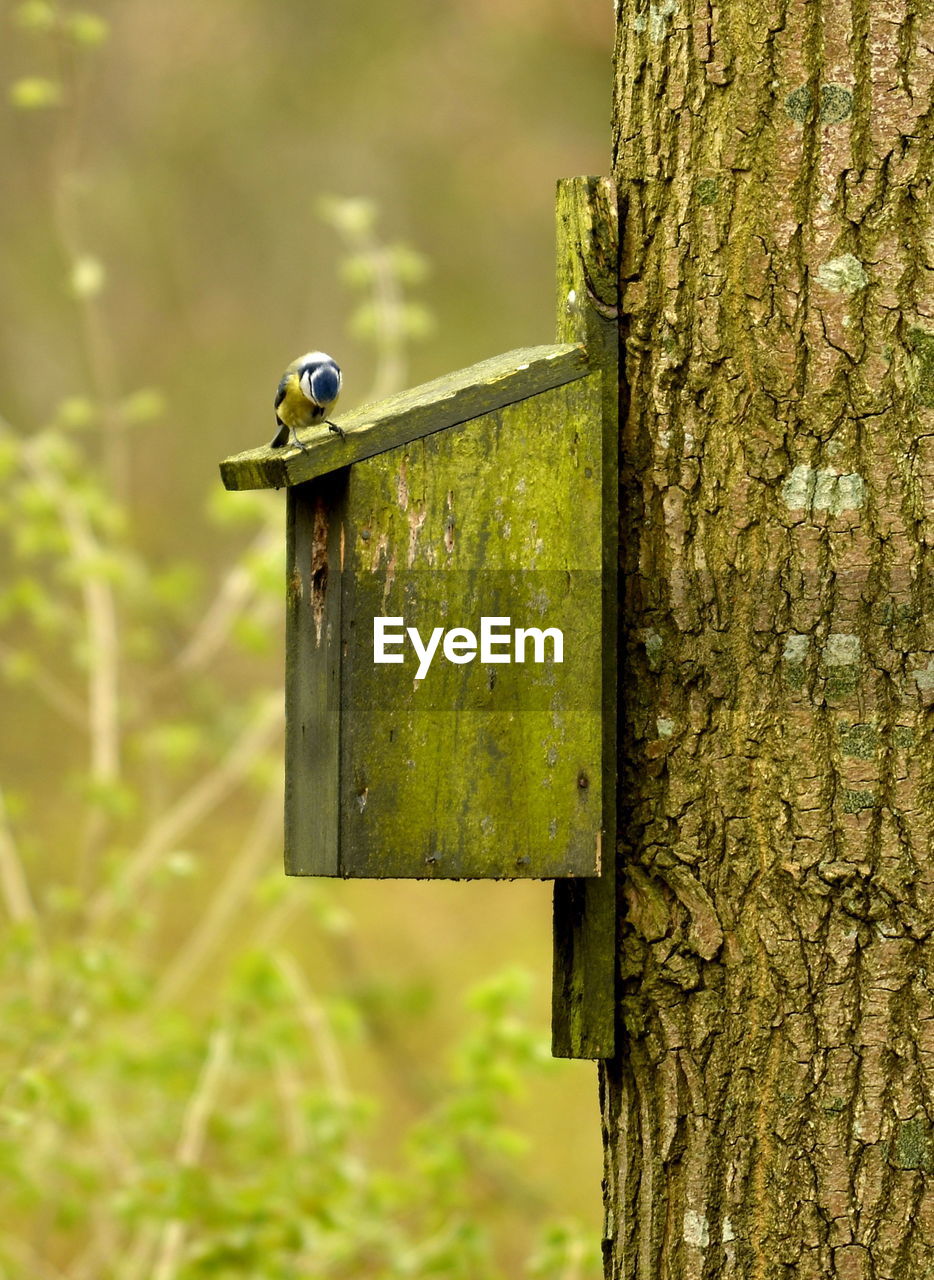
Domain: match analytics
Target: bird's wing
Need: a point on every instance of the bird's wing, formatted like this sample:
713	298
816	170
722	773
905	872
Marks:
282	388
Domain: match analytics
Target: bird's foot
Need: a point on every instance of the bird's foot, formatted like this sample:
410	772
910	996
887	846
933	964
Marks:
296	441
334	427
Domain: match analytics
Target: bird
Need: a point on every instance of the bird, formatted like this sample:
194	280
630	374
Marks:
307	391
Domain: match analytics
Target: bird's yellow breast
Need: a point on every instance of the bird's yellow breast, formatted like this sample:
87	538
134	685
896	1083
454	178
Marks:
295	409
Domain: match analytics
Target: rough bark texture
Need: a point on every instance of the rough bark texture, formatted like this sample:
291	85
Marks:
770	1112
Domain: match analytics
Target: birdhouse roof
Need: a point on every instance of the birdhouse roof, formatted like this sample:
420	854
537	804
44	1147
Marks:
397	420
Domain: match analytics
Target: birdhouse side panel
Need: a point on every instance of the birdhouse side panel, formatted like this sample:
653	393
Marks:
315	513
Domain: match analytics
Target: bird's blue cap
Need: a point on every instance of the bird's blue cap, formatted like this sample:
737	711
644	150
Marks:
324	379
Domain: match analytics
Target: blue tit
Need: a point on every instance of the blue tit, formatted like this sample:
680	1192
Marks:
307	390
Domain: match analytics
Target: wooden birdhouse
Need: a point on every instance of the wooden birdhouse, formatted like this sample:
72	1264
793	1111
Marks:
451	614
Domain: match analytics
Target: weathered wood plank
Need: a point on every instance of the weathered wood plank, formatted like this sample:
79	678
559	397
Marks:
314	553
408	416
585	918
585	965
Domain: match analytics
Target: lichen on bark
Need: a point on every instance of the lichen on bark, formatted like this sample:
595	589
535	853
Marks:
768	1114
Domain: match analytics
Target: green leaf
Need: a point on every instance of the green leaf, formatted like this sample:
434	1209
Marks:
88	29
564	1250
57	450
176	586
9	457
35	15
354	216
364	323
358	270
177	743
88	276
75	412
143	405
118	799
18	666
228	509
104	565
417	320
35	93
27	597
42	536
251	635
409	266
265	568
181	865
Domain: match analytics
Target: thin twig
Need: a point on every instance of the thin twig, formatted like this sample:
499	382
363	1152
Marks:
190	959
136	1263
191	1144
391	364
318	1027
577	1256
191	808
100	615
99	349
55	694
235	593
14	884
100	611
31	1263
289	1091
388	304
104	1246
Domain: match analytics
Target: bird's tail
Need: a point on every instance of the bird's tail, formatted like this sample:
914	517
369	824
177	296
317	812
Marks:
281	437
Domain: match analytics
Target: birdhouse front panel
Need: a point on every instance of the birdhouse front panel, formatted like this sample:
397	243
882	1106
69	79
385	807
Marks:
444	651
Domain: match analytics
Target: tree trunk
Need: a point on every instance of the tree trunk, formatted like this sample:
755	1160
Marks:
770	1110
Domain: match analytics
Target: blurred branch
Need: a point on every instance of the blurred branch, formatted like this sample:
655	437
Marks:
197	802
134	1265
30	1260
391	360
191	1139
290	1097
191	1144
318	1027
87	274
13	882
577	1258
100	614
236	591
55	694
405	1067
354	219
103	1247
205	938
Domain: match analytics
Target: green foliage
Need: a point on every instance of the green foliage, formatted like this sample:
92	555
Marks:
178	1100
35	93
87	276
222	1149
379	274
35	15
87	29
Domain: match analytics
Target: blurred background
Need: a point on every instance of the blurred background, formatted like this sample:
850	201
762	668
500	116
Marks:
210	1070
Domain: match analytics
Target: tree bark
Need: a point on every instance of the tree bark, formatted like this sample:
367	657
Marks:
770	1110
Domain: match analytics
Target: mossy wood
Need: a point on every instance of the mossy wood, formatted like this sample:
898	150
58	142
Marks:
490	492
376	428
585	916
476	770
